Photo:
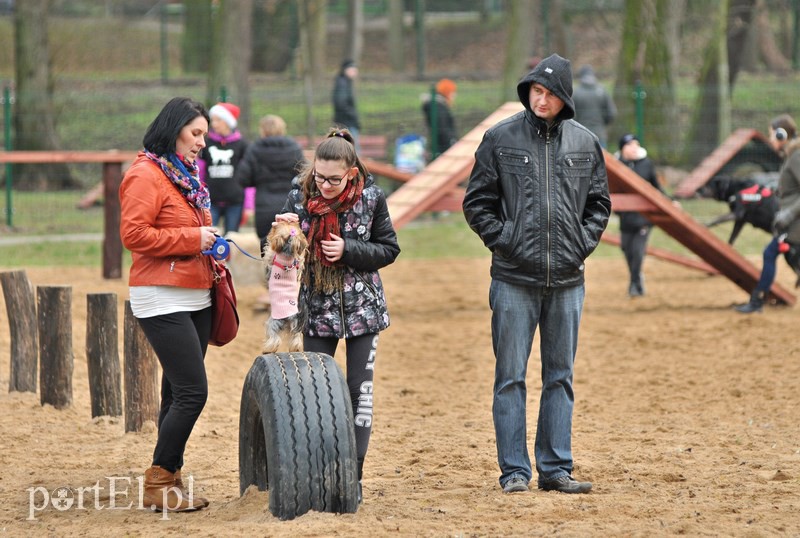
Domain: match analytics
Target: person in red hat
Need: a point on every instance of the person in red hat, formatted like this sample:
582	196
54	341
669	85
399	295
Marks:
224	150
445	130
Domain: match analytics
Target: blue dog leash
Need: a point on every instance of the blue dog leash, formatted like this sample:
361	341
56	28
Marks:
220	249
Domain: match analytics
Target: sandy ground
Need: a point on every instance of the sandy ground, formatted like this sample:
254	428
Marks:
686	421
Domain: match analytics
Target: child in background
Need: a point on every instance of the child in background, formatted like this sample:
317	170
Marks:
224	149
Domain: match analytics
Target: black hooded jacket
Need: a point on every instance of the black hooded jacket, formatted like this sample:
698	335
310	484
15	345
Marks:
538	193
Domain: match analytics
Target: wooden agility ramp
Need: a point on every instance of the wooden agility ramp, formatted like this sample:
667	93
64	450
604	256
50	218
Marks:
439	181
735	146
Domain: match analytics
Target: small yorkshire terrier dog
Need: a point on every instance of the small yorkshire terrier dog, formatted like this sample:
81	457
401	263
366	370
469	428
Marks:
284	259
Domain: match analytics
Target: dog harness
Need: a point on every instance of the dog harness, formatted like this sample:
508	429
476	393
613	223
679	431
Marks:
284	286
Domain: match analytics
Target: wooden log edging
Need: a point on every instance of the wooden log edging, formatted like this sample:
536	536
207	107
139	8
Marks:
54	307
141	376
102	354
21	310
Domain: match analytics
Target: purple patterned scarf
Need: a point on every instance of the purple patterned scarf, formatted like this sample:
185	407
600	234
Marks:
185	176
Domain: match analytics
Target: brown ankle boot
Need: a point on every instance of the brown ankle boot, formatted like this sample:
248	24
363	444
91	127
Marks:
180	485
161	492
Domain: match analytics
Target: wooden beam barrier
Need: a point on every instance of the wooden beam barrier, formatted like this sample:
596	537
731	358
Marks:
21	310
54	307
141	376
112	162
102	354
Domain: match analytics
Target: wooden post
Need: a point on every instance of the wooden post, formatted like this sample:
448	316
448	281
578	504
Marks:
141	376
112	244
54	306
21	310
102	354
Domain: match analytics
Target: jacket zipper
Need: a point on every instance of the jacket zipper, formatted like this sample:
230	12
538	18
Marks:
547	186
341	310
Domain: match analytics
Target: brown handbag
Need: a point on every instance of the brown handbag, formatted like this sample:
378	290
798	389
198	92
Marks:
225	318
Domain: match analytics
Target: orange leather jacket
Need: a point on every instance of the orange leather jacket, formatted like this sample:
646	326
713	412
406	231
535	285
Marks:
162	230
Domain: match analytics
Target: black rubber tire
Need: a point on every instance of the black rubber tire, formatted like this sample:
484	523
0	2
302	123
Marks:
296	435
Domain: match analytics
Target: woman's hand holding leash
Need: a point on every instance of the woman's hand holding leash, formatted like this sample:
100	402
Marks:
207	237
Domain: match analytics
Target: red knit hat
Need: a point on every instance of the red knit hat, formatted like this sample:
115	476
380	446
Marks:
446	87
227	112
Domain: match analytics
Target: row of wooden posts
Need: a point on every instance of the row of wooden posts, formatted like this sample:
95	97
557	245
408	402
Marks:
43	331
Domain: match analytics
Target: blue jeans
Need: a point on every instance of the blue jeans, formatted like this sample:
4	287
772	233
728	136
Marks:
232	214
769	268
516	312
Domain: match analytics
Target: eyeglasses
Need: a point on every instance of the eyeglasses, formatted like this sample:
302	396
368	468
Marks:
332	181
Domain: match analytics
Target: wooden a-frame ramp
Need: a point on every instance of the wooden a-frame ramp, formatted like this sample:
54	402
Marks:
438	182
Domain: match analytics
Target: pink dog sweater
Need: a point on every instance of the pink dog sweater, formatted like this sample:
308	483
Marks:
284	287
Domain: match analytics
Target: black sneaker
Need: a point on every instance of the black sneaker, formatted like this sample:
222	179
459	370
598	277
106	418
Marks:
565	484
515	484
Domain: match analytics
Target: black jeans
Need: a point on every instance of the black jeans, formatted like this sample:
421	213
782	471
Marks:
180	341
361	351
634	246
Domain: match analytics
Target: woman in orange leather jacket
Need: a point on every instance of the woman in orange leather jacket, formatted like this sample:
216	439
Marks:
166	224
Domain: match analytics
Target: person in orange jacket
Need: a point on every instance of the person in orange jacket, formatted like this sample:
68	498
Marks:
166	224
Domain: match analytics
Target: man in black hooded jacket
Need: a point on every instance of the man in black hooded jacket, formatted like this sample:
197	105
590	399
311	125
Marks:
538	198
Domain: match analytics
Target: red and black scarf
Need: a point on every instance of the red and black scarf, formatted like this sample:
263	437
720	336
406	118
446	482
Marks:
324	222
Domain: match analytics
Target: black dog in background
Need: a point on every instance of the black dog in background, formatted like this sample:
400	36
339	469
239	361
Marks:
749	202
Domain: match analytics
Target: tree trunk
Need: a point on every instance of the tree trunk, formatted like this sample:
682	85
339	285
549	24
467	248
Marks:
645	58
770	52
519	42
712	117
197	22
141	375
23	328
305	68
56	359
740	25
275	35
397	57
34	116
354	40
317	39
230	65
558	31
102	355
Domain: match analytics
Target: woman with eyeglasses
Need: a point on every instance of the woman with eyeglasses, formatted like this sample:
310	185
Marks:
344	215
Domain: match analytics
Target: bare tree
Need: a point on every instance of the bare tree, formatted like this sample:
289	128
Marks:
275	35
711	121
354	40
230	65
197	23
645	63
770	51
396	25
317	39
519	44
34	116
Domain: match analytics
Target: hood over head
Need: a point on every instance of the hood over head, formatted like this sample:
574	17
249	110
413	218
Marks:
555	74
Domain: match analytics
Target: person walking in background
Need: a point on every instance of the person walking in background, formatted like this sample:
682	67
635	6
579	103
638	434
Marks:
538	199
445	130
345	113
224	149
786	224
166	224
269	165
634	227
350	234
594	107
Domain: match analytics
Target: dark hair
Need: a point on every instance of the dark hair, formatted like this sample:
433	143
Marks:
162	134
339	145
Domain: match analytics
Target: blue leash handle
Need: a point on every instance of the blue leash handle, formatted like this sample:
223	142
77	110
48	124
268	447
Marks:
220	249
